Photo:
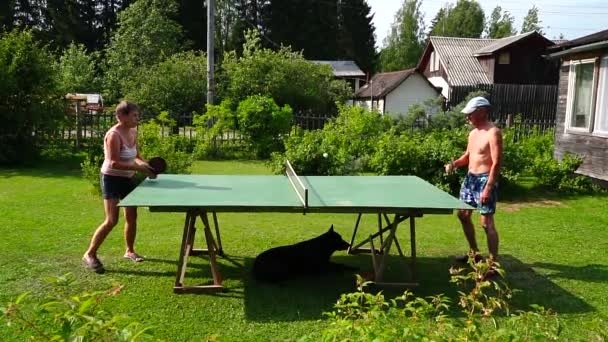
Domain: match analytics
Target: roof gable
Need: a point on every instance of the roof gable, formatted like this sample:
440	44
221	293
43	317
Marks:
589	39
458	60
383	83
502	43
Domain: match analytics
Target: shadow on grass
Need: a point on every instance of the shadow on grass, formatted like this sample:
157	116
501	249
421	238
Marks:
595	273
45	169
308	298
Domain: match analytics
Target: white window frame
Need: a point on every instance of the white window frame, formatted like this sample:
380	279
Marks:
570	97
601	91
432	61
437	61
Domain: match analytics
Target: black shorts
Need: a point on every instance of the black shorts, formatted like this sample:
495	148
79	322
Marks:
116	187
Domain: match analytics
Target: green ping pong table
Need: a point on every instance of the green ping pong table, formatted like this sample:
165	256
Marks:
402	197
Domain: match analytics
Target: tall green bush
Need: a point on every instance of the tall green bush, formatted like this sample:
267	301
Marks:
263	123
283	75
177	85
347	140
30	98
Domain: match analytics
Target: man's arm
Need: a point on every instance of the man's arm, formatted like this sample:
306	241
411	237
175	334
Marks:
462	161
495	155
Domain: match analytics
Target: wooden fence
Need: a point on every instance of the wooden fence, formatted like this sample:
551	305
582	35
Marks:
529	105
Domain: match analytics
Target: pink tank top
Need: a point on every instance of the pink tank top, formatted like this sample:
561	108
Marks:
127	154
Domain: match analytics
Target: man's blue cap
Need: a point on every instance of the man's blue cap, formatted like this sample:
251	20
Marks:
475	103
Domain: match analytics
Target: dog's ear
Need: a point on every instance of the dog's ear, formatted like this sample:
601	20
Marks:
331	229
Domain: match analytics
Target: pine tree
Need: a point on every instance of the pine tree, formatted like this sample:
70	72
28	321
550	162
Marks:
356	39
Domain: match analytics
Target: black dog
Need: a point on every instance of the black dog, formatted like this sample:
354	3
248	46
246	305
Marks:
310	257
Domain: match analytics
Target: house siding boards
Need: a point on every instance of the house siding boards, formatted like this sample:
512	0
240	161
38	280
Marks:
393	92
592	148
473	62
414	89
456	55
527	66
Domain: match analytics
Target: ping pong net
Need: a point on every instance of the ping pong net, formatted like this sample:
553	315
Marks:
297	184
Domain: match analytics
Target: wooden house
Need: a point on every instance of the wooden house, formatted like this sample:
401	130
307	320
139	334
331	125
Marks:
582	108
449	61
394	92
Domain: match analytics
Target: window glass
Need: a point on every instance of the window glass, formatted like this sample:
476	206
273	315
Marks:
601	108
504	58
583	95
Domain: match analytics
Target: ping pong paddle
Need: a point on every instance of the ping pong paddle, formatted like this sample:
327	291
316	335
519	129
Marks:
158	164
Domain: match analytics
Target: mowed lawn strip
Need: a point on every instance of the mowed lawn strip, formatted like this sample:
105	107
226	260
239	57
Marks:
553	249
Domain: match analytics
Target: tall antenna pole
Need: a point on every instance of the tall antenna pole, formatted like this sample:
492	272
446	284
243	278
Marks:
210	51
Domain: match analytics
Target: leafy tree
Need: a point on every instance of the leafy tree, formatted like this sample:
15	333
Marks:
466	20
531	21
29	96
177	85
147	34
77	70
263	123
404	44
283	75
500	24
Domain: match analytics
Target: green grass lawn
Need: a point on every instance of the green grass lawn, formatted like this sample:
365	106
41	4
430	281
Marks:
553	249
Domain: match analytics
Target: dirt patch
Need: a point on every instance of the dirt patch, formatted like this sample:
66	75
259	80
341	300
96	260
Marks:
541	203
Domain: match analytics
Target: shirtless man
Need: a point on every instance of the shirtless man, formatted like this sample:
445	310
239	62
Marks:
479	188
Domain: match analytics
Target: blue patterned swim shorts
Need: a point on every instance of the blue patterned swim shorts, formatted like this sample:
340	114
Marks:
471	189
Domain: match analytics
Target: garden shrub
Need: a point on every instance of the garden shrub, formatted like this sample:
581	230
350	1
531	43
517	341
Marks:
30	98
176	85
305	150
172	147
349	140
263	123
61	314
212	128
560	175
420	154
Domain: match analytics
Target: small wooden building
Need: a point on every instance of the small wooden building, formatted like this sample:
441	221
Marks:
582	108
449	61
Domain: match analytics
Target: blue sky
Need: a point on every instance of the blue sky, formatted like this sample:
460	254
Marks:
570	17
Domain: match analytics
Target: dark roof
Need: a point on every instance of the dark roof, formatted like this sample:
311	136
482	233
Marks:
457	57
343	68
383	83
589	39
508	41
